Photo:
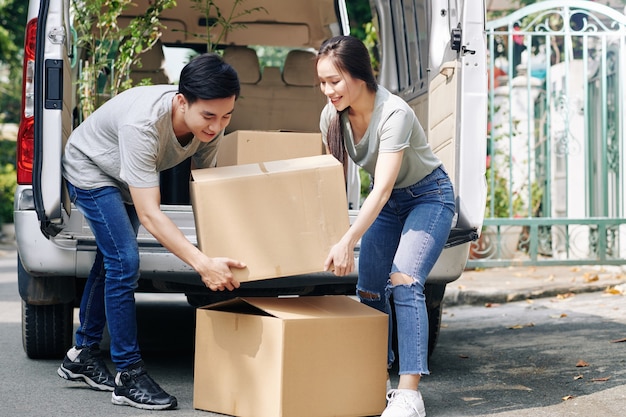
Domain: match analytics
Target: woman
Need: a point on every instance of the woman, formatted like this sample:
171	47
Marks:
405	220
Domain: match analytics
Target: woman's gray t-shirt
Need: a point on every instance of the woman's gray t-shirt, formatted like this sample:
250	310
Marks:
393	127
129	140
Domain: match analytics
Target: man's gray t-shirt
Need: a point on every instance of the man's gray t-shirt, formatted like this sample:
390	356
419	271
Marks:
393	127
129	140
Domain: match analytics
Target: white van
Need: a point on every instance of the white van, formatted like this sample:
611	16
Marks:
432	53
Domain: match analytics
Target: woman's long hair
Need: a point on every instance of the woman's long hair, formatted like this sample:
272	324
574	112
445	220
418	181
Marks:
349	55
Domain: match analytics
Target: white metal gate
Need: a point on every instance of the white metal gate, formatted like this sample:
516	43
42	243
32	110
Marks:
555	175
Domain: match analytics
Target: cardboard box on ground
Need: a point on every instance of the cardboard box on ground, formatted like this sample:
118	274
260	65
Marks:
291	357
280	217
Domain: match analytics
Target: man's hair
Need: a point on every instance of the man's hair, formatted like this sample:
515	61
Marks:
208	77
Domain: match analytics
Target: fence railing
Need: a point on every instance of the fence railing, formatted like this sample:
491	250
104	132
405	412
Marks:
556	165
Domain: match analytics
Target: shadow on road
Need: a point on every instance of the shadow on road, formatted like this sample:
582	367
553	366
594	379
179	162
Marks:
521	356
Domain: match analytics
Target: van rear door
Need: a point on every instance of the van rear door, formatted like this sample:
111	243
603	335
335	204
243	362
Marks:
52	113
433	54
457	111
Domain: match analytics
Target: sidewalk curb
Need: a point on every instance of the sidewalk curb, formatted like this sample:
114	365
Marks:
456	297
508	284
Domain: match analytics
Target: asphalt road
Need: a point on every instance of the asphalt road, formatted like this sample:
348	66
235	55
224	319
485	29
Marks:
515	360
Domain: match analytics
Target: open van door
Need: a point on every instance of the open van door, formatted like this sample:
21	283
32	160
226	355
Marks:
45	125
468	40
432	53
457	120
52	113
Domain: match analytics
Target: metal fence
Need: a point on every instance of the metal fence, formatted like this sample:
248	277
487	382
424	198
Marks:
555	174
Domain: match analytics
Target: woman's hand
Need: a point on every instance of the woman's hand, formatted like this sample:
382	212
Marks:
340	259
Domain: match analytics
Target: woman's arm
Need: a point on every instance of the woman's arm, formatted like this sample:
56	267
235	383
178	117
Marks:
341	256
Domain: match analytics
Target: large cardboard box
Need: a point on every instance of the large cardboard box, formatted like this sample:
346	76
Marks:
250	146
291	357
281	218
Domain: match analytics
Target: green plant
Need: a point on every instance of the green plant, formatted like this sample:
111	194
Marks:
109	51
366	181
8	180
8	183
502	201
371	42
498	193
215	18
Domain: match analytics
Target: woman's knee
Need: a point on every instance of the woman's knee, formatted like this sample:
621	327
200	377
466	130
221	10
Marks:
400	278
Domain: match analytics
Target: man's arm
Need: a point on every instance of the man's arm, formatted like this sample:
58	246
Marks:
214	272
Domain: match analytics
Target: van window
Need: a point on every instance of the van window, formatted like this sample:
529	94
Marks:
410	32
176	58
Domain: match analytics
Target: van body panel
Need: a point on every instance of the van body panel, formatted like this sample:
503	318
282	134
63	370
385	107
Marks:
447	91
430	53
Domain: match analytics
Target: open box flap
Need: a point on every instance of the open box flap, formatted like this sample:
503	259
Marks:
296	308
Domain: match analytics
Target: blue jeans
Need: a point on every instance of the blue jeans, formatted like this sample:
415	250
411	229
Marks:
109	296
407	236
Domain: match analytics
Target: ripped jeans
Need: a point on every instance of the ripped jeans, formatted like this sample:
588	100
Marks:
407	236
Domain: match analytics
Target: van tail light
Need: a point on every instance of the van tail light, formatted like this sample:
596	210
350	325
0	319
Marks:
26	132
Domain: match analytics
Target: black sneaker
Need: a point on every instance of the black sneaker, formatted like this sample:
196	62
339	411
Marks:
136	388
88	367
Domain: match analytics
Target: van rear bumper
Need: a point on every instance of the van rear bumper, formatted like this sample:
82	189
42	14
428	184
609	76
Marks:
65	256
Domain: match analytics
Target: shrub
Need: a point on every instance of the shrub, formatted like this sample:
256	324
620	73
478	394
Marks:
8	180
8	183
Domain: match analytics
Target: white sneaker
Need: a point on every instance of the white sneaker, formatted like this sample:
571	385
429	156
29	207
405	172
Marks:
404	403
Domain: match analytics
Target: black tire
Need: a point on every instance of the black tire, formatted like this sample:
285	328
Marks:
47	330
434	297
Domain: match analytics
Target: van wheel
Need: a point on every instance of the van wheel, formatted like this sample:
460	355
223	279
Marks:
434	297
47	330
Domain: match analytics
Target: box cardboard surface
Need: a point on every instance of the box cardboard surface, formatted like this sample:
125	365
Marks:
251	146
280	218
290	357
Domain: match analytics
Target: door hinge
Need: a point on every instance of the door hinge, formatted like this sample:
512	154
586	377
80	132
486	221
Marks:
456	36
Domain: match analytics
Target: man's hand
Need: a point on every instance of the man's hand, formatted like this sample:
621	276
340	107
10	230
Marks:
218	276
214	272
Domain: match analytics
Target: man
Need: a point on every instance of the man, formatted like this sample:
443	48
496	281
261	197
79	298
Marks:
112	163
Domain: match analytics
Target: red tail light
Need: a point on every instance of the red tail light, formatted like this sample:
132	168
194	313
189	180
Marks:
26	132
